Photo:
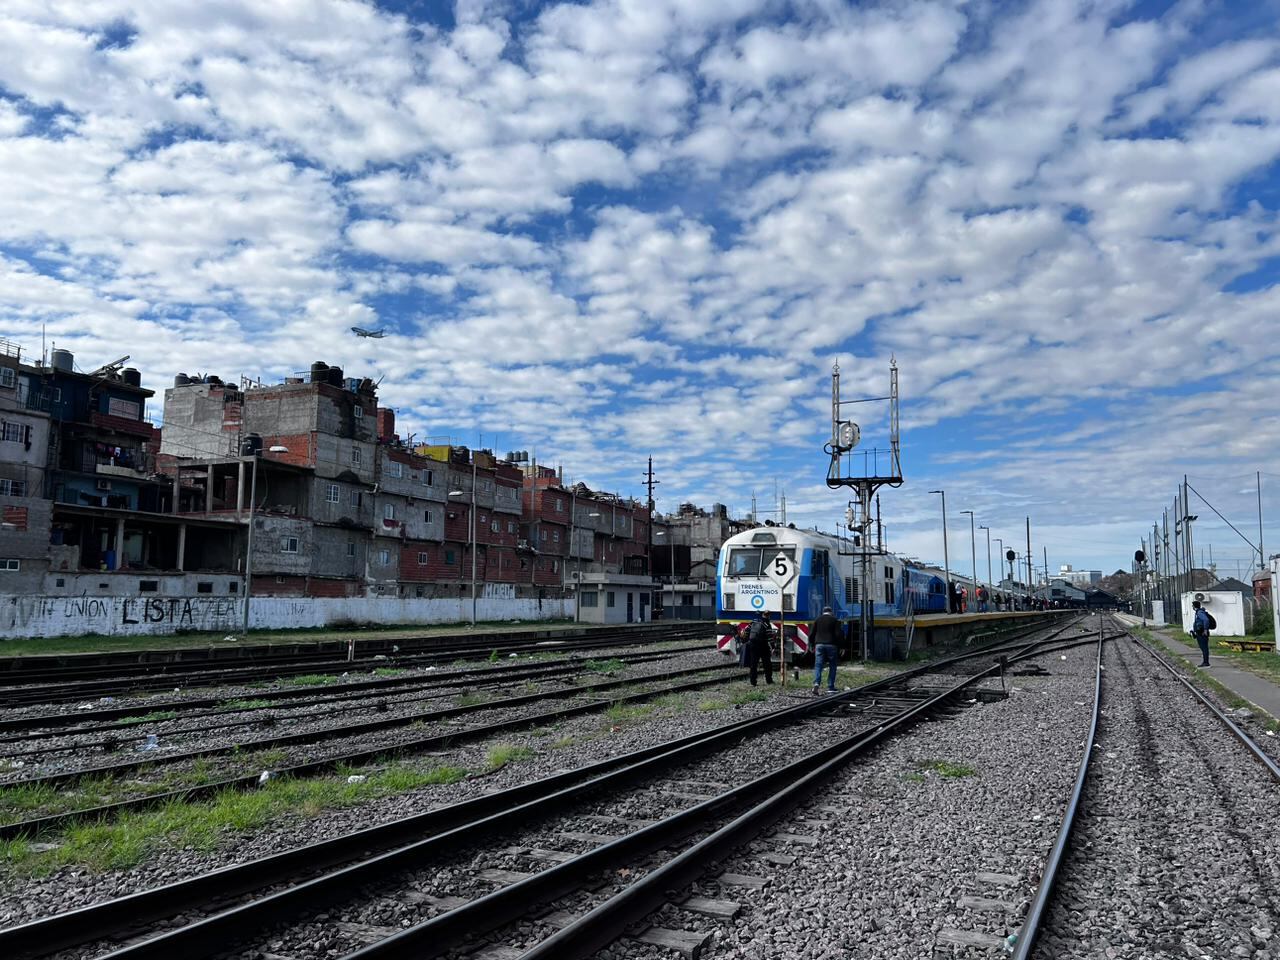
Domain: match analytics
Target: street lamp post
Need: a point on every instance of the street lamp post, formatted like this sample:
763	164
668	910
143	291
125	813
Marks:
983	526
946	554
248	544
973	553
471	538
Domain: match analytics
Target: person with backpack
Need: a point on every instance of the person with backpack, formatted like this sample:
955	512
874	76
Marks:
1200	628
759	644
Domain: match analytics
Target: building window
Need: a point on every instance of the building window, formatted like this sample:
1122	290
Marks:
423	558
542	535
10	565
384	557
555	536
13	488
8	377
559	504
12	431
555	566
148	586
204	587
511	527
333	494
356	457
609	599
448	558
496	527
388	511
233	587
428	478
426	515
355	498
358	412
591	599
395	469
289	545
351	548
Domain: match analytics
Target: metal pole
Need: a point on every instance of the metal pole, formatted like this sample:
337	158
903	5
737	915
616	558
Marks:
1029	574
248	549
946	556
473	538
1262	557
577	587
973	555
983	526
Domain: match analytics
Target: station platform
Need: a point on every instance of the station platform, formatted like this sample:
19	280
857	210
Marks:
1264	694
931	629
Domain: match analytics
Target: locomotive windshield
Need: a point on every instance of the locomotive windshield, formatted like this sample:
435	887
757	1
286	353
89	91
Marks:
747	561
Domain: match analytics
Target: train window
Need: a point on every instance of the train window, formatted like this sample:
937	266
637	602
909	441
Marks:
888	593
888	573
746	561
850	589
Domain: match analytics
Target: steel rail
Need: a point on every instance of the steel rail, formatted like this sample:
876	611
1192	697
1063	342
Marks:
101	920
348	729
1249	743
25	695
337	693
1024	940
773	794
601	926
509	806
211	657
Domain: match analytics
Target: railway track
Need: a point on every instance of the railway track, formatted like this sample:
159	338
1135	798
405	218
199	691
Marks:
63	685
1153	742
683	791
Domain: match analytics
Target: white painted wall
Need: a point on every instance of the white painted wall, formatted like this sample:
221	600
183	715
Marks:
43	616
1232	614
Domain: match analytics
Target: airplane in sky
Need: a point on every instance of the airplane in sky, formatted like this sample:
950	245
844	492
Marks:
362	332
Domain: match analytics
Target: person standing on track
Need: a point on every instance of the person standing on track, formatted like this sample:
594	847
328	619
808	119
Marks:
759	642
1200	630
826	636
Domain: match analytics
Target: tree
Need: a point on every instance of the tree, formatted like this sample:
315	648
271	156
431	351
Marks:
1118	584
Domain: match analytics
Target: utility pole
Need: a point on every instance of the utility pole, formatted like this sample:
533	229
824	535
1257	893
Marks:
1029	560
650	483
1262	557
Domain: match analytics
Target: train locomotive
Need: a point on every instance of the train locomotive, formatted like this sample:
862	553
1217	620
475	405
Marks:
828	574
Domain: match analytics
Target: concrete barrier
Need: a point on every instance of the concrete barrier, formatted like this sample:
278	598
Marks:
34	616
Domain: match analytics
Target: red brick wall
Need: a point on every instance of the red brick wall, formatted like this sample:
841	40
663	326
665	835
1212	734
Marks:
284	586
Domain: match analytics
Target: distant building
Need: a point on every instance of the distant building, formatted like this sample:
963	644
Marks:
1078	578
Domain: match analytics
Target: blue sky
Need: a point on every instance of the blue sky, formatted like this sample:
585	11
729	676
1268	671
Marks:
613	229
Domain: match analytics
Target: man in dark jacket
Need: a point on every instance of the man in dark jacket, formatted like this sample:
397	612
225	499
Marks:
1200	630
760	642
825	637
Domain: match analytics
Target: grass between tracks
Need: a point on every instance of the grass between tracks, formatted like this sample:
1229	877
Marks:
202	826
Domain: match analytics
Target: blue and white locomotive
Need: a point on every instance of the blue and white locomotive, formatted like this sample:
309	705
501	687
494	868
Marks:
827	574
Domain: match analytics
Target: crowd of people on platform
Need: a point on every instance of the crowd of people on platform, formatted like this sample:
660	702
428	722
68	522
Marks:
983	600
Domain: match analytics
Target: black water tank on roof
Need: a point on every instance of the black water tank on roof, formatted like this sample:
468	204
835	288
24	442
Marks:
131	376
319	372
335	376
251	445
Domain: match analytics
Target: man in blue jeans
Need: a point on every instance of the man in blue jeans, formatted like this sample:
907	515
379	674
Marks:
825	637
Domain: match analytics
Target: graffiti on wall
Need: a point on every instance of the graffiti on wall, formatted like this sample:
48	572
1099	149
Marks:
111	614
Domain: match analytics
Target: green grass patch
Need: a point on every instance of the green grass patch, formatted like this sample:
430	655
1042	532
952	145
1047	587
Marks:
501	754
563	742
710	706
610	666
946	768
623	713
311	680
748	696
389	671
471	698
128	840
914	777
153	717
